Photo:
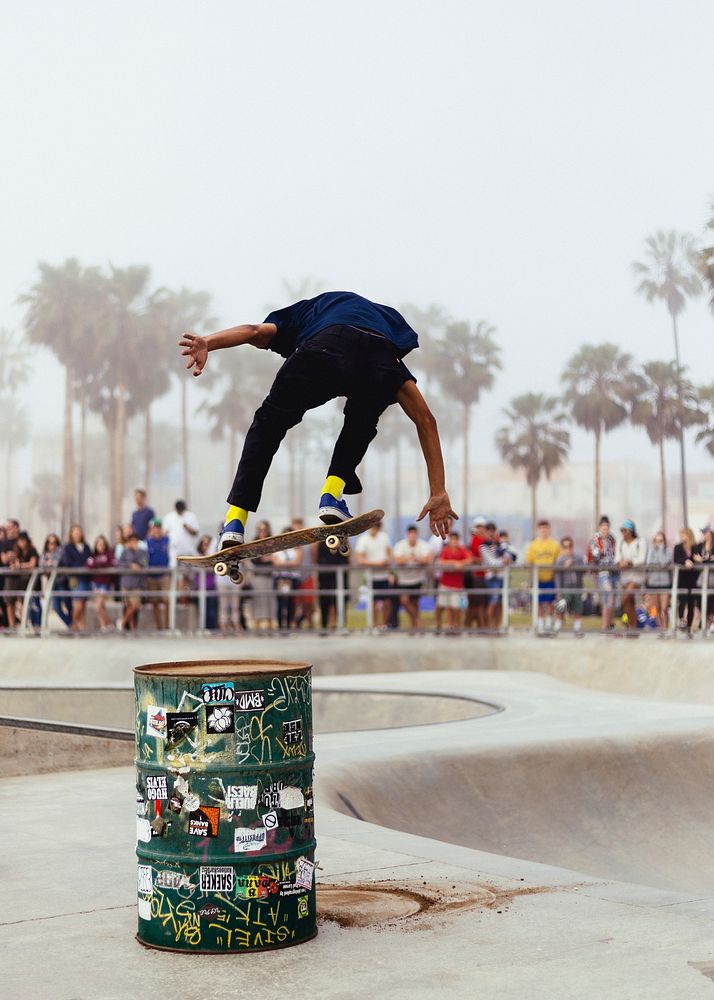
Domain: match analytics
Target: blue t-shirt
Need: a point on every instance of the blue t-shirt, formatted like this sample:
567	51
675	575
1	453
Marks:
158	550
299	322
140	521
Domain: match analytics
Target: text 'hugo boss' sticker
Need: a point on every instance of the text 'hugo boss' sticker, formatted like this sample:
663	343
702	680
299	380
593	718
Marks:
218	694
156	722
157	788
220	719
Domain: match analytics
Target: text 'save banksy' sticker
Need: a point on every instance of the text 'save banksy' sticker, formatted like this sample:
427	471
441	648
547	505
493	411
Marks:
291	798
157	787
204	822
143	830
218	694
241	796
246	840
304	870
144	906
179	725
220	719
156	722
145	879
270	820
292	732
217	878
250	701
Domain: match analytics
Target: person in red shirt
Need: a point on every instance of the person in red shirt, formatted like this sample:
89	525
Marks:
477	610
453	561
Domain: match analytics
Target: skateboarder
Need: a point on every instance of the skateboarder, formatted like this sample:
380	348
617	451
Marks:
336	344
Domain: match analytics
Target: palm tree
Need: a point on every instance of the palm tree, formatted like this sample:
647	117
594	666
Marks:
670	274
464	365
705	398
56	319
176	312
665	403
600	387
706	260
535	440
15	434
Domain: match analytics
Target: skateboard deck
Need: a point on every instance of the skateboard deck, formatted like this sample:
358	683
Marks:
227	561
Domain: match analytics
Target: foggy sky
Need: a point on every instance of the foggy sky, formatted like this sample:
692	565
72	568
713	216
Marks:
505	161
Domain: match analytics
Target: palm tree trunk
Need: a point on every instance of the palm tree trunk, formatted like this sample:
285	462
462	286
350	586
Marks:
596	513
82	478
112	449
682	458
465	458
184	437
148	449
534	508
120	452
8	474
67	455
662	485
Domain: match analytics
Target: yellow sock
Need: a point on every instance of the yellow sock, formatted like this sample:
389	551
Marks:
334	486
237	512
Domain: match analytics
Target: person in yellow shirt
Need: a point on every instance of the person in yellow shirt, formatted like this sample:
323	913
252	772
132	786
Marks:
543	551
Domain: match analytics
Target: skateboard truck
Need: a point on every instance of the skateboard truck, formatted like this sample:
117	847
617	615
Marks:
338	543
224	569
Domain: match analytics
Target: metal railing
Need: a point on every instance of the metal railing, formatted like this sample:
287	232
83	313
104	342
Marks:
520	591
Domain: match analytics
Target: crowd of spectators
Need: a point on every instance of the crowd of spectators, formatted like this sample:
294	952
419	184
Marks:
620	576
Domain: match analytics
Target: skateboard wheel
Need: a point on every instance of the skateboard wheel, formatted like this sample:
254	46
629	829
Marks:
344	549
220	569
236	577
332	542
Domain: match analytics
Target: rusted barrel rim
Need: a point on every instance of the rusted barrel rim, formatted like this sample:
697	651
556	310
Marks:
224	668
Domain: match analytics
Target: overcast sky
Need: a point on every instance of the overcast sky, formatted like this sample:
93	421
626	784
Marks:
504	160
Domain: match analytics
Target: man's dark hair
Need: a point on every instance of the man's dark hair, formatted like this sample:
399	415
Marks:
566	538
453	534
490	526
412	527
11	520
604	519
543	522
180	506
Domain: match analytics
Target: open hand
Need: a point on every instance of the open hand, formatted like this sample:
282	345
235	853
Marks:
438	507
196	350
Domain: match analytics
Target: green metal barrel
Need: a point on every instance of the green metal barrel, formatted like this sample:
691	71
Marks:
224	803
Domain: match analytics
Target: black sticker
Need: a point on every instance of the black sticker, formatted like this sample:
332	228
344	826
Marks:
179	725
250	701
292	732
220	719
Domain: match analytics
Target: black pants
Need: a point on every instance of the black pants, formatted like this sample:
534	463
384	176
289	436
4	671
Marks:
338	361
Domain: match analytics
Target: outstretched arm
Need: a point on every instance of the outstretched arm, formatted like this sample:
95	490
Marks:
196	348
438	506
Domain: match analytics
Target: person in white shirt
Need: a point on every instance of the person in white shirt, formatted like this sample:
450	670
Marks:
630	551
412	555
181	525
374	551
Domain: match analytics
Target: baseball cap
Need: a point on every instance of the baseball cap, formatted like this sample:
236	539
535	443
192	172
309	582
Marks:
156	522
630	525
478	522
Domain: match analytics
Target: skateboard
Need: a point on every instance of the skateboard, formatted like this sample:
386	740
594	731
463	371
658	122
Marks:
226	562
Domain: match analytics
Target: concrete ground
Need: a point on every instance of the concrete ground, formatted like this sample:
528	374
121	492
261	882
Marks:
559	848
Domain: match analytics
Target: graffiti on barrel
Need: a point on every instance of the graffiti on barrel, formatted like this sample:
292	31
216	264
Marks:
225	819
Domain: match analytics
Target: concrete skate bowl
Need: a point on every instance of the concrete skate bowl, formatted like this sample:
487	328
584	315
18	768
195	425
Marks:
633	810
334	710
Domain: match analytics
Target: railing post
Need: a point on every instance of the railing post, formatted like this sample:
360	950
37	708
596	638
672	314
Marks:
534	598
674	616
172	599
705	599
505	597
341	571
27	600
202	600
370	600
